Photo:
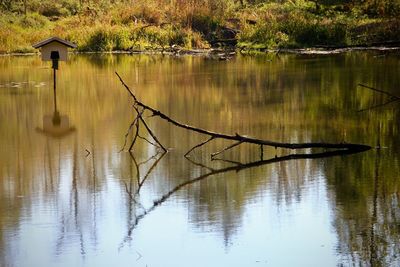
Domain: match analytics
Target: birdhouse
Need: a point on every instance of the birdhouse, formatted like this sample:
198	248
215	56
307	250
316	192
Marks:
54	49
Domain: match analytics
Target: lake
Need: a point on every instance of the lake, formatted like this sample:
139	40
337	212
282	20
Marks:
72	195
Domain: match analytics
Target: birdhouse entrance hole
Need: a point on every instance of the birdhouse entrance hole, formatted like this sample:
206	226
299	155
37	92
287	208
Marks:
55	55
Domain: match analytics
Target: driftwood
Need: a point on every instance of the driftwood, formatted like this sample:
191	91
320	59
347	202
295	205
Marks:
235	137
392	43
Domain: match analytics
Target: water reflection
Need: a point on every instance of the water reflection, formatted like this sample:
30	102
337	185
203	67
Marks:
83	209
56	125
238	166
368	219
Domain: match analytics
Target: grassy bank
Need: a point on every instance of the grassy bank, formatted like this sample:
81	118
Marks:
161	24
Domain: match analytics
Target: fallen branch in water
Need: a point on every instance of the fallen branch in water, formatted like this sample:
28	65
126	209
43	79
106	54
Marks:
236	137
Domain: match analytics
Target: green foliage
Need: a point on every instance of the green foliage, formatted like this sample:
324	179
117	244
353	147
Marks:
266	35
307	30
106	39
118	38
291	25
101	40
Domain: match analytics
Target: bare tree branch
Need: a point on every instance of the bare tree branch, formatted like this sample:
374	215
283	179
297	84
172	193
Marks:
129	130
225	149
136	134
199	145
237	137
149	130
148	141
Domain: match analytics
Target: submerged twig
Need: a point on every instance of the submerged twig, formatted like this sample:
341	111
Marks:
199	145
225	149
136	166
129	130
149	130
148	141
136	134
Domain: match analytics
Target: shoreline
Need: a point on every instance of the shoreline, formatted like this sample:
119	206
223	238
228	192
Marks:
229	52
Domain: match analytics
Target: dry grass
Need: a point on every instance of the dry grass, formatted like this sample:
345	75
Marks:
150	24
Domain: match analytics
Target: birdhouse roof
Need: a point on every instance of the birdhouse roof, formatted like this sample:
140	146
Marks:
54	39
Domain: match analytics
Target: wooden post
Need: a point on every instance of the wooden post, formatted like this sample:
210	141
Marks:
56	115
55	89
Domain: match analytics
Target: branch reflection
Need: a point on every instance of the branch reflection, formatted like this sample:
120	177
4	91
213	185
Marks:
237	167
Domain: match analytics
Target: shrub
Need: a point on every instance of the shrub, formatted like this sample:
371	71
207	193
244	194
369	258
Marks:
304	29
100	40
204	23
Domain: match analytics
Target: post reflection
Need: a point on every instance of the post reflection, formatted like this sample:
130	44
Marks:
55	124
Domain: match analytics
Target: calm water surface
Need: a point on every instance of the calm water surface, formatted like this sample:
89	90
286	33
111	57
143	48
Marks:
69	198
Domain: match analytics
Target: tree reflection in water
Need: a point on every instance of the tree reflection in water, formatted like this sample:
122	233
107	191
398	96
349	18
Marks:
49	185
367	217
